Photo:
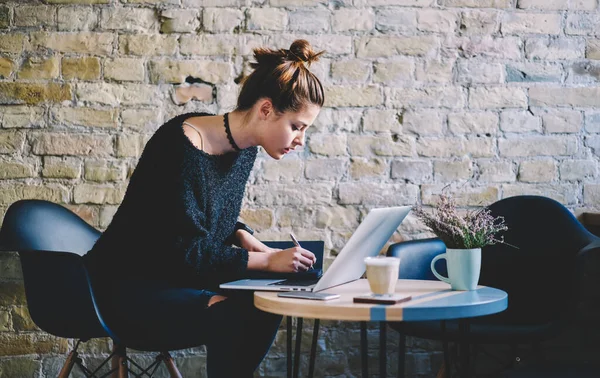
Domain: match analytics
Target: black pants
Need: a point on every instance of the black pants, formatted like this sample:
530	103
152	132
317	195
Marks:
237	335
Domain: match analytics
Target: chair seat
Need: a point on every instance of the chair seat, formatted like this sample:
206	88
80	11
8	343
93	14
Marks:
478	333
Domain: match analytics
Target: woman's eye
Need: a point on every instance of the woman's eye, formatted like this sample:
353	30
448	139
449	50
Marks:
295	128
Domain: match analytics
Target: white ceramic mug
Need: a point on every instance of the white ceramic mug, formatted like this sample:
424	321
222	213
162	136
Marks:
464	266
382	274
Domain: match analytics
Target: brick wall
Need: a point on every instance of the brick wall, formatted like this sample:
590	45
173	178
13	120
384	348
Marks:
501	94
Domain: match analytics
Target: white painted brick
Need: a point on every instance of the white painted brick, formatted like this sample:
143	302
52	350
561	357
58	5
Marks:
437	21
423	122
560	121
347	95
393	20
381	145
463	195
557	4
179	21
368	168
449	171
575	170
226	20
561	96
77	18
477	3
490	47
435	70
531	23
430	97
517	121
497	97
582	24
309	21
542	170
378	194
414	171
376	47
353	20
592	121
129	19
351	71
583	72
476	71
338	120
496	171
473	123
333	44
538	146
288	169
533	72
330	169
328	144
592	49
479	22
394	71
554	49
591	194
381	120
290	195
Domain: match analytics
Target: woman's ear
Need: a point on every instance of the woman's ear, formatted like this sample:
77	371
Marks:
265	108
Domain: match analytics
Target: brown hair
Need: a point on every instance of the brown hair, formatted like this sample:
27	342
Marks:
283	77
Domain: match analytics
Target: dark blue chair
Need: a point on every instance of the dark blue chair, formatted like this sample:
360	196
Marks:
50	241
541	276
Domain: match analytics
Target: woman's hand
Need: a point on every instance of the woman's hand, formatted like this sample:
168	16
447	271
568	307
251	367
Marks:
294	259
251	243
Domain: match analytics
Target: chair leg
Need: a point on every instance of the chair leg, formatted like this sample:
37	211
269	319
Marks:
119	362
173	371
68	366
401	355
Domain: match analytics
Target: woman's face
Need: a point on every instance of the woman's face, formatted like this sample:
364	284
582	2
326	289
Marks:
286	130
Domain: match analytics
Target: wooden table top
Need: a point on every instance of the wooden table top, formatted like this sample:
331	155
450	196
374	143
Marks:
431	300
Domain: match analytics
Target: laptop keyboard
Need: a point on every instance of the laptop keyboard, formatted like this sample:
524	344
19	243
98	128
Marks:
291	282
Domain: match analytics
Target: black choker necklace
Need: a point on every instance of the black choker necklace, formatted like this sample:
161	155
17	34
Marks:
228	131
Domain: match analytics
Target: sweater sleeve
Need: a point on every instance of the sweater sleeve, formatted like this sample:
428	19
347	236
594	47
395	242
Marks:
202	253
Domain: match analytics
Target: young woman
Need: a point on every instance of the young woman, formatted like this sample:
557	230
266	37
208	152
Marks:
160	261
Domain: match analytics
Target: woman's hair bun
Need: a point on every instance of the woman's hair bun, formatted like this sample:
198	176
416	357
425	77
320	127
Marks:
301	51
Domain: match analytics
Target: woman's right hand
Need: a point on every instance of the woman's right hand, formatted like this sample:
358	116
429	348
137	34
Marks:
294	259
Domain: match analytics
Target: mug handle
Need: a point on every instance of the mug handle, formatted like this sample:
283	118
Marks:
435	273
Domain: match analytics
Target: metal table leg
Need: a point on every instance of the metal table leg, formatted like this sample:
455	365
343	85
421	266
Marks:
364	355
447	362
288	321
382	350
463	329
297	349
313	349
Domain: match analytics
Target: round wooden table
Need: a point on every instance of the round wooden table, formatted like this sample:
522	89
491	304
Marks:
431	300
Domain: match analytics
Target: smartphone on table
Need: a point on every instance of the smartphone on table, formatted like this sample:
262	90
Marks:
308	295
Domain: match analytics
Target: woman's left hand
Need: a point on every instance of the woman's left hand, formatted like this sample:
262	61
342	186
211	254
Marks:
252	244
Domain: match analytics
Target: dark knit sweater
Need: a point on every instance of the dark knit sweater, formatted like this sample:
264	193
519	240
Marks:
178	212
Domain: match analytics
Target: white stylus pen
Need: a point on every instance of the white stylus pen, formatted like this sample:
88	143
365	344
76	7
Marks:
296	243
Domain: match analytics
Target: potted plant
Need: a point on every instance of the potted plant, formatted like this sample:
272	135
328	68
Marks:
464	235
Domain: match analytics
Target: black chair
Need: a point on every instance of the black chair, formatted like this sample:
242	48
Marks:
50	241
551	243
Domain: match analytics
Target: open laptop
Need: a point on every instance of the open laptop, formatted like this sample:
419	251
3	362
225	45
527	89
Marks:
368	239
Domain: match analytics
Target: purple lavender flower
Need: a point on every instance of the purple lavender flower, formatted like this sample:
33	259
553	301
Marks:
475	229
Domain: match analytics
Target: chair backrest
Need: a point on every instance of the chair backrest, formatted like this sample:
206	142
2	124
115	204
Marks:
41	225
540	274
415	258
50	240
